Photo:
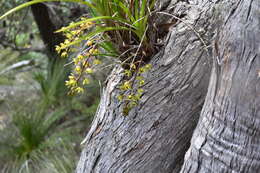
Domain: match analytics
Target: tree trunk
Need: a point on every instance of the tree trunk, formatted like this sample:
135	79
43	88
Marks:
227	138
50	39
156	134
47	28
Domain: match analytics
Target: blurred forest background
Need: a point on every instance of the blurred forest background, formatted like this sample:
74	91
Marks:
41	127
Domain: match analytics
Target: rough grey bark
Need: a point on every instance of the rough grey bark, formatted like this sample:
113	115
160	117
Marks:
155	135
227	138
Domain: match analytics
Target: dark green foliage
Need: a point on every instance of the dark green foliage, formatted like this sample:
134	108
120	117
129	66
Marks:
52	84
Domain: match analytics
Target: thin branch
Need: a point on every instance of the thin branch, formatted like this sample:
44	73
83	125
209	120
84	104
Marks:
190	26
